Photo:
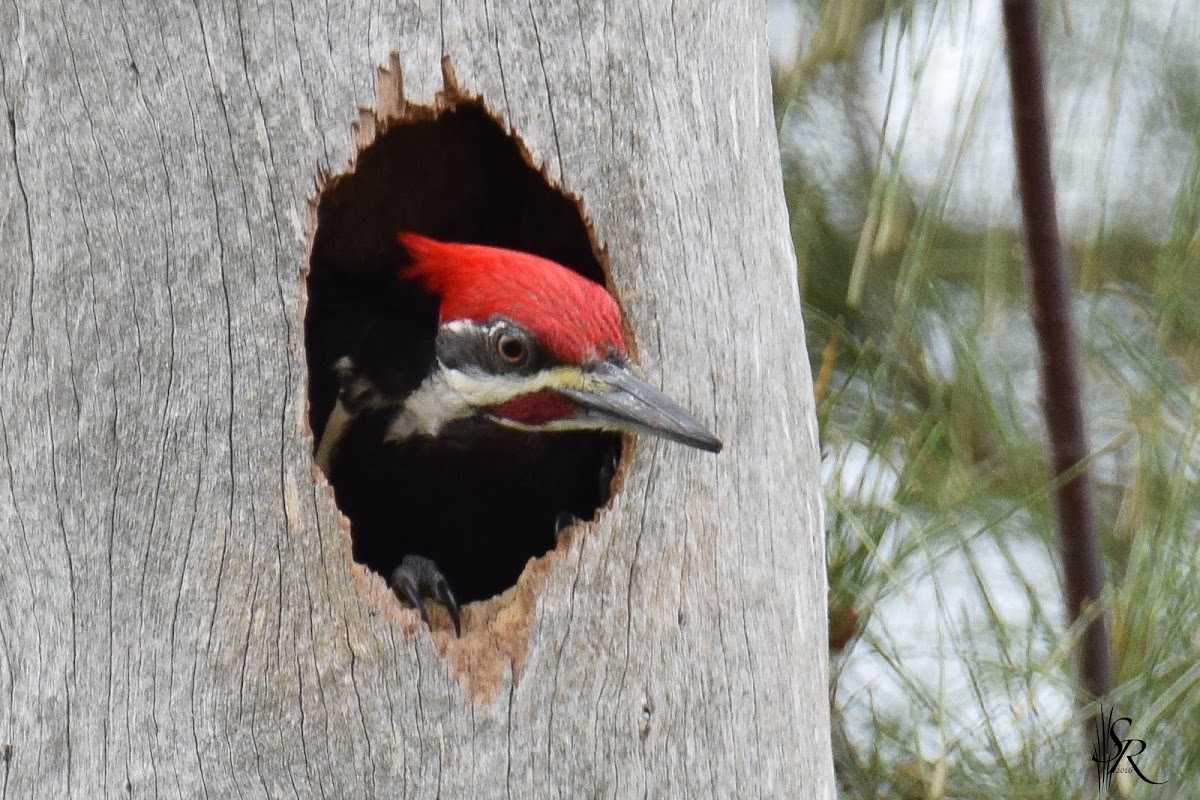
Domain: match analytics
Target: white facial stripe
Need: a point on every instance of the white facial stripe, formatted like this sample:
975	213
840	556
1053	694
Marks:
484	390
460	325
450	394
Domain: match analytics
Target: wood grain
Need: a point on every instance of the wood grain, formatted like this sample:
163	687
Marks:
179	613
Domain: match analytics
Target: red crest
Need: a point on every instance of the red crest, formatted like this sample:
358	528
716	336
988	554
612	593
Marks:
576	319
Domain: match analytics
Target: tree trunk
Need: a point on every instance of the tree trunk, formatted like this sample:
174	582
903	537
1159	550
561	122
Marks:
179	611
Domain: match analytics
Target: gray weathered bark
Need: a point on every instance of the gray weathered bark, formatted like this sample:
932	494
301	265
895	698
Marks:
179	612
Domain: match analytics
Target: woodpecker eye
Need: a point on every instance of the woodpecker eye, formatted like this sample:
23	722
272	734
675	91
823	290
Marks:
512	349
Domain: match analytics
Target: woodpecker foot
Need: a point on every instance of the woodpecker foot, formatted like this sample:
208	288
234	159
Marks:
418	579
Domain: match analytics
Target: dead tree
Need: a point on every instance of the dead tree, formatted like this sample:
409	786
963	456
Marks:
180	614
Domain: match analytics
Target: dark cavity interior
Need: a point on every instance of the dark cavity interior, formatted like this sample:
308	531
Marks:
482	500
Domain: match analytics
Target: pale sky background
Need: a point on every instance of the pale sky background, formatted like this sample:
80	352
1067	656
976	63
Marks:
1120	146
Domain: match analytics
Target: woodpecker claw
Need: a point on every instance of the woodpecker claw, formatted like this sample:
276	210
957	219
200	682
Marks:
418	578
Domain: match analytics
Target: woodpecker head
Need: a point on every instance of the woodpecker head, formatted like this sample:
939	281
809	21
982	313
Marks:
529	344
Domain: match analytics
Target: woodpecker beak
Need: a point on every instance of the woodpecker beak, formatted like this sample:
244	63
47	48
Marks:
615	398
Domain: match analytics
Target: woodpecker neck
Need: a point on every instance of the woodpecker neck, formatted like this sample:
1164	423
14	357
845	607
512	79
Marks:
427	410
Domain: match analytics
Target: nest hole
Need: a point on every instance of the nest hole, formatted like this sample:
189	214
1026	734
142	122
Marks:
453	173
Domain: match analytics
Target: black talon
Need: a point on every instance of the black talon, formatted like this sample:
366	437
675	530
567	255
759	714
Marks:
442	593
418	578
404	586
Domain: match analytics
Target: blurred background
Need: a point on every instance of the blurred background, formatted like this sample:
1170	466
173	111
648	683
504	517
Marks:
951	663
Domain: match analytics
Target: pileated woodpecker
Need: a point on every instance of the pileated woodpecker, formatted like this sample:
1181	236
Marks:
521	378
